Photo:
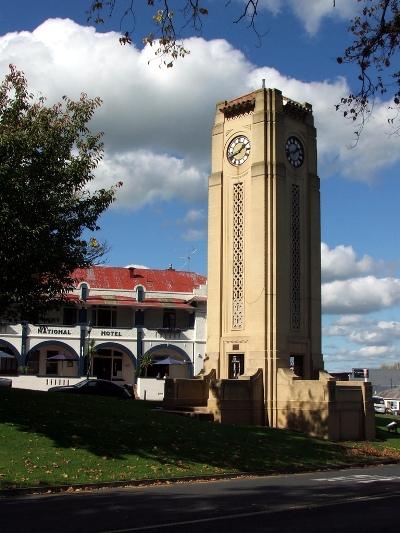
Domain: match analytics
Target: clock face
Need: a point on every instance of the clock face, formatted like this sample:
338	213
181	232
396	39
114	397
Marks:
294	152
238	150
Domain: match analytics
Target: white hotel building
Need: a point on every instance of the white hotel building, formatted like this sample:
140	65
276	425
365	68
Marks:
121	314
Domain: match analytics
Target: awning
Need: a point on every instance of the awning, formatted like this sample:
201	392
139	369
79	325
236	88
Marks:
63	357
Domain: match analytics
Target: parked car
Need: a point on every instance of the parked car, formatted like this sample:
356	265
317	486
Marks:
379	404
97	387
5	383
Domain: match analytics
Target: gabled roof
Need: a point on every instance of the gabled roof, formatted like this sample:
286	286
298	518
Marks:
120	278
390	394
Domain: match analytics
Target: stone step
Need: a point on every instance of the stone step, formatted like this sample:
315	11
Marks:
197	413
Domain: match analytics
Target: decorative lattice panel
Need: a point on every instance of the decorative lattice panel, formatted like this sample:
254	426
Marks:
295	258
238	257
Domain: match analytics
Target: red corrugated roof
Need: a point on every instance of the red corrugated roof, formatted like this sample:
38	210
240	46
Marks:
120	278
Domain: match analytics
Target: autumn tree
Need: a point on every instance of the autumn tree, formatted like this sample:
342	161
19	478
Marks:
47	158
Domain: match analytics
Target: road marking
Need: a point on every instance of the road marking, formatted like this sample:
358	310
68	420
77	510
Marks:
358	478
235	516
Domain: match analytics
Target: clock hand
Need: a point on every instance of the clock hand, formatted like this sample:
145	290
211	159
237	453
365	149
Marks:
236	152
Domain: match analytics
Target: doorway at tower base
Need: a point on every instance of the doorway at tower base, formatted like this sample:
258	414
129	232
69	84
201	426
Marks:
324	408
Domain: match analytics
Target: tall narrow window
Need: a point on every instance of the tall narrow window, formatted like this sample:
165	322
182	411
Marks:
84	291
140	293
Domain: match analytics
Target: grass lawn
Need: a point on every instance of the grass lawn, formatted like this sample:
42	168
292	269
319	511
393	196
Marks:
50	439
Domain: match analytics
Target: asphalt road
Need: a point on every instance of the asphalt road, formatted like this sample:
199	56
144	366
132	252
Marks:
361	500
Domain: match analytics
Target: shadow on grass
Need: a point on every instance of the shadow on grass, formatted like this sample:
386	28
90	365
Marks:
129	431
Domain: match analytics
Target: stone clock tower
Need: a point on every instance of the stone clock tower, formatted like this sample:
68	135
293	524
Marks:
263	363
264	268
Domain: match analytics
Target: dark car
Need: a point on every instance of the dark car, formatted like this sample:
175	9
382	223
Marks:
97	387
6	383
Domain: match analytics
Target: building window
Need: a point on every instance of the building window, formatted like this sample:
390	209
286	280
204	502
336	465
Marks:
169	319
191	320
8	365
107	364
69	316
84	291
140	293
33	362
104	317
139	317
51	366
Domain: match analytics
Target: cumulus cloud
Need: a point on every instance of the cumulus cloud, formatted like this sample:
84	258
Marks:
341	263
359	330
367	357
157	121
149	177
360	295
350	284
194	215
358	341
312	13
194	234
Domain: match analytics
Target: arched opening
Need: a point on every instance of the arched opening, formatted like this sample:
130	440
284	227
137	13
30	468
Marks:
169	360
8	359
52	358
113	362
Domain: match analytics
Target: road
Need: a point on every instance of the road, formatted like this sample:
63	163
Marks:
364	499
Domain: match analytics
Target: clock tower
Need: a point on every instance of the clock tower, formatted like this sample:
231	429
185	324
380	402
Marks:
264	268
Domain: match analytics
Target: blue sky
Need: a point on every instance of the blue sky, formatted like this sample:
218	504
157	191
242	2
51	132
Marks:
157	125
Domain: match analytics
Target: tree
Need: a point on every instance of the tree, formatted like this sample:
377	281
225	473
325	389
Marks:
171	19
145	362
47	158
377	40
376	30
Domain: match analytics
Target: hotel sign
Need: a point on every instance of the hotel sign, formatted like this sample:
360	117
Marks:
107	333
46	330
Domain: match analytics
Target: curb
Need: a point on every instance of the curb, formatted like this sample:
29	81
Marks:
146	482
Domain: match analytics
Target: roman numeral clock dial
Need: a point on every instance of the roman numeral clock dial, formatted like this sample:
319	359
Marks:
238	150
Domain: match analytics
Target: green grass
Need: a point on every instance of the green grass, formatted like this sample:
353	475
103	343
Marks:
51	439
386	444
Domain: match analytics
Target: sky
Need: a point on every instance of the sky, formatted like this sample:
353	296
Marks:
157	124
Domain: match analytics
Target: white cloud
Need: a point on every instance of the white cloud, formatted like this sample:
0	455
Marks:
149	177
360	295
137	266
341	263
194	234
194	215
367	357
312	12
359	330
157	121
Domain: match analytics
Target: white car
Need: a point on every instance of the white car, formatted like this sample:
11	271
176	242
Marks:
379	404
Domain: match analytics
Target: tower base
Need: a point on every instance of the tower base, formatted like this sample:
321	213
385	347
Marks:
324	408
